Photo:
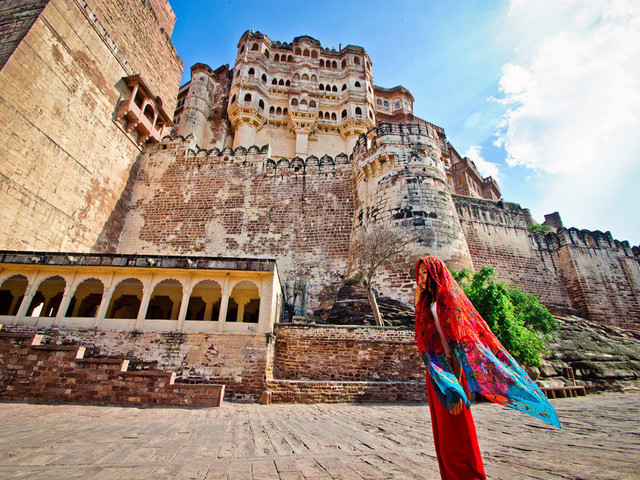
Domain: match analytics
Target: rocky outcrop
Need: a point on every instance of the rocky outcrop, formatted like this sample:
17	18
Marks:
352	308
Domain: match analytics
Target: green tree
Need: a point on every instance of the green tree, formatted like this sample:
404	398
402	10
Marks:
518	319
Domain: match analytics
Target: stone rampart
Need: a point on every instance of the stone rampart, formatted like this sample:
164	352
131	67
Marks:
242	203
59	91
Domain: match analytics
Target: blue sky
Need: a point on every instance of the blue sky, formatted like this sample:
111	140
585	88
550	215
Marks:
542	94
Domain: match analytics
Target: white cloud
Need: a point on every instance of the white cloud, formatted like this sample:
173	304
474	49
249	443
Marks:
486	168
573	98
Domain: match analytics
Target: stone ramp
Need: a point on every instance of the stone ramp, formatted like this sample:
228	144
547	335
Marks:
34	371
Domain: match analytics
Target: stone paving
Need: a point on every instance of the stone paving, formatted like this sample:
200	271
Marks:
600	439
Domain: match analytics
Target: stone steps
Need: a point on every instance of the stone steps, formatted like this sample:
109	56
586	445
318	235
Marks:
33	371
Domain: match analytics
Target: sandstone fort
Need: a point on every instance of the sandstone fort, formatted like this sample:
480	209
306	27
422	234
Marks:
177	225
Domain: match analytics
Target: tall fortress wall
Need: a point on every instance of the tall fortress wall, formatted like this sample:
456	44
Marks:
288	154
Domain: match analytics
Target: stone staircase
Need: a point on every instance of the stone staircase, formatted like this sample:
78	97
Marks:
32	370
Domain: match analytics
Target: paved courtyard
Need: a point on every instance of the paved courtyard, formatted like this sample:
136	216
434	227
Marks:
600	439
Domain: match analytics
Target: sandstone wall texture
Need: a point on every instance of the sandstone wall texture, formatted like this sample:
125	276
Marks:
244	204
237	360
588	272
16	18
65	162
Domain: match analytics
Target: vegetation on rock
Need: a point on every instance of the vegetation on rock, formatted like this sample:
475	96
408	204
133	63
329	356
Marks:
518	319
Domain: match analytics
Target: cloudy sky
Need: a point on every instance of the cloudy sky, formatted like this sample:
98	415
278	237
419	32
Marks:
544	95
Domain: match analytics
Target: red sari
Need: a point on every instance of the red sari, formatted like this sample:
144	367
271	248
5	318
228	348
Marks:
454	435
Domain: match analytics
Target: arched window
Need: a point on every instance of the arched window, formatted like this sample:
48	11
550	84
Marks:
125	299
386	104
254	47
298	51
321	63
306	53
264	78
251	71
281	82
334	64
357	84
276	58
294	101
321	87
358	111
287	83
285	111
290	58
312	104
334	88
165	300
204	302
314	54
272	110
12	294
242	49
305	77
344	114
296	76
396	105
356	60
320	115
278	111
344	87
303	101
333	116
379	102
261	104
233	99
266	53
344	62
247	97
327	116
274	82
314	78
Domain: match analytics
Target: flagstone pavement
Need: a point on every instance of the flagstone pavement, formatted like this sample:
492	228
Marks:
600	439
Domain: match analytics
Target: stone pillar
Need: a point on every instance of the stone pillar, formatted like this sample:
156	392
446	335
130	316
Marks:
104	303
67	295
224	304
29	293
186	294
144	304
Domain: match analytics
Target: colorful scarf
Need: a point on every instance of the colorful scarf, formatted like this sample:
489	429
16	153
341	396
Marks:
488	368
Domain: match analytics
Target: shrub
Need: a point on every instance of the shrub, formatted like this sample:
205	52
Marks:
518	319
540	228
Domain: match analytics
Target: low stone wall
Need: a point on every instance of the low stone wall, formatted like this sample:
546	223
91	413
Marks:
35	372
346	353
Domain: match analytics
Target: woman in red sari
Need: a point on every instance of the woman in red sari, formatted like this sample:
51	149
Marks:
462	354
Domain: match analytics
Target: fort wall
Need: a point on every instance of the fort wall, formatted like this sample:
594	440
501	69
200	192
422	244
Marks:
60	90
243	203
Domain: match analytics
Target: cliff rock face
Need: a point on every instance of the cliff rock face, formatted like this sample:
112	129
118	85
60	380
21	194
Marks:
602	357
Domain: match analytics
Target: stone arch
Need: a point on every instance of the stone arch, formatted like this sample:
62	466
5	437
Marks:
290	58
334	116
264	148
334	89
253	149
266	53
314	54
303	101
12	293
326	160
298	51
251	72
283	163
312	103
204	301
305	77
285	111
279	111
306	53
165	300
334	65
126	299
344	87
47	299
344	62
240	150
270	166
215	151
314	78
312	164
342	158
287	83
356	60
281	82
264	78
297	164
358	111
276	58
244	303
321	63
86	299
296	76
261	104
272	110
357	84
247	97
321	87
343	114
254	47
227	151
294	101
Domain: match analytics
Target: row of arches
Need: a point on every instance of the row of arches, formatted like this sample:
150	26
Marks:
86	299
303	102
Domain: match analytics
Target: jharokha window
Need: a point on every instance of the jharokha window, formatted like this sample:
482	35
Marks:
141	115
